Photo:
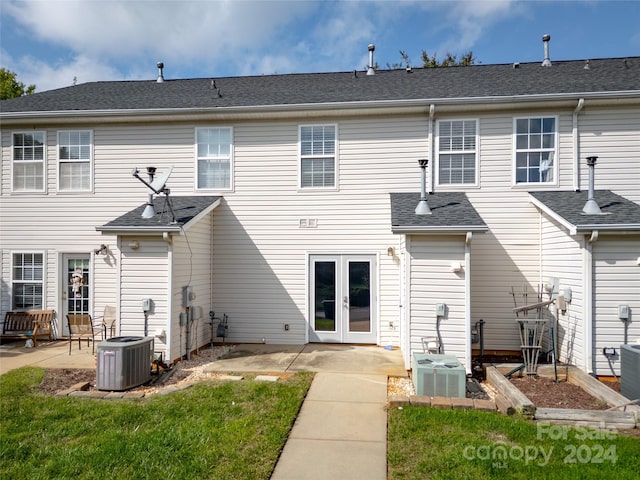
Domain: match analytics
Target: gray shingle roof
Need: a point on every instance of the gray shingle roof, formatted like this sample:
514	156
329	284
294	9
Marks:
450	212
478	81
186	208
618	213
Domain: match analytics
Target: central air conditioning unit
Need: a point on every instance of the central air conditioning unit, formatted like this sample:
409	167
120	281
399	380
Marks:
438	375
630	371
124	362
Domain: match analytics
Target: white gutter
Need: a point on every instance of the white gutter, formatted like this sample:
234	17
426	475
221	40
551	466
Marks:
334	109
576	146
440	230
588	307
431	156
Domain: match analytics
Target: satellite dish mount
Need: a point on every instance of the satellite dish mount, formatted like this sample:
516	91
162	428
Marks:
156	185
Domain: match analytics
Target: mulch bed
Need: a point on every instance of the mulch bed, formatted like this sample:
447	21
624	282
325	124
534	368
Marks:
546	393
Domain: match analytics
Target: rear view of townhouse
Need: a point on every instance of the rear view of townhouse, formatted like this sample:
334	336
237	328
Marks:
288	203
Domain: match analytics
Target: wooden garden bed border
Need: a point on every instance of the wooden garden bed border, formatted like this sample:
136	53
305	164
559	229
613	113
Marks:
511	401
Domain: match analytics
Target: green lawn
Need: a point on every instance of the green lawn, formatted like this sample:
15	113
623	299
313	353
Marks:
232	430
426	443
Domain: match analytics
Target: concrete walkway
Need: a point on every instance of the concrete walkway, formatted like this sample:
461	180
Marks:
341	430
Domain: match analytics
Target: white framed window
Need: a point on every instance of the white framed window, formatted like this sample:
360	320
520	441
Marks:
457	152
214	158
27	281
318	158
28	156
75	156
535	149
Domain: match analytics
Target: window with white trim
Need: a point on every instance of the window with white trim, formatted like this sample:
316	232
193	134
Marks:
457	153
28	161
535	149
317	156
75	154
27	281
214	158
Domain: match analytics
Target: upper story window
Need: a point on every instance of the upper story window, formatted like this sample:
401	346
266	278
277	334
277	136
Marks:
535	150
214	155
75	154
28	161
27	281
457	153
318	156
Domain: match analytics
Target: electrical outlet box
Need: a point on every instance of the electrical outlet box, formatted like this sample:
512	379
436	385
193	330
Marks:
609	351
441	309
623	312
187	296
147	304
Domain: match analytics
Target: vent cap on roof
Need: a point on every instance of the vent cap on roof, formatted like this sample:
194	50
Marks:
160	66
591	207
547	61
370	70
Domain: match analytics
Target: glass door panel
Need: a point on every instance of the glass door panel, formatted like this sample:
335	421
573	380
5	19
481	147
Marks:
325	296
77	287
359	296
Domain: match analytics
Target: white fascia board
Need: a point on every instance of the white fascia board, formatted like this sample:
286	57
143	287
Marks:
632	228
333	108
120	230
460	230
202	214
549	212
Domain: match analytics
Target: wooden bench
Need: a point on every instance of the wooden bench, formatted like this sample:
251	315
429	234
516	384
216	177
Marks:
31	324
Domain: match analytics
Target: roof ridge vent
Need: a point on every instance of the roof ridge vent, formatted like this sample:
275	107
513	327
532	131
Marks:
160	66
370	69
547	61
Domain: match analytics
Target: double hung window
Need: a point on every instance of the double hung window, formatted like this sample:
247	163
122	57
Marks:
27	280
214	155
457	152
535	150
75	154
28	161
318	156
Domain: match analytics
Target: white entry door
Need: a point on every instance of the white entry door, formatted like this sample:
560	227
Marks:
76	287
343	293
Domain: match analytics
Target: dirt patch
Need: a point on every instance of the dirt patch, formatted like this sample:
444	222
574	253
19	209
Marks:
546	393
185	371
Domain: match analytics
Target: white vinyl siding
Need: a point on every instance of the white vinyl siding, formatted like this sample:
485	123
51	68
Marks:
75	155
616	282
432	282
214	158
318	163
27	281
457	152
562	258
28	161
535	153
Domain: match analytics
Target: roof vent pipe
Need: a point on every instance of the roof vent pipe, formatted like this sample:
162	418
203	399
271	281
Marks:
160	74
370	70
545	39
423	206
591	207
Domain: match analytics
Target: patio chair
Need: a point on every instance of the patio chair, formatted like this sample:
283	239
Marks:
108	325
81	326
431	344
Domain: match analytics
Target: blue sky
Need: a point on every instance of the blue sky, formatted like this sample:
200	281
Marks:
50	42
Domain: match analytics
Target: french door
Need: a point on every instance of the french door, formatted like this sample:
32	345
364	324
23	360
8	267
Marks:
75	287
342	294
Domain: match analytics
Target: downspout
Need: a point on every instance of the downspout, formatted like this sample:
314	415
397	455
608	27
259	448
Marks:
467	301
588	307
576	146
431	156
405	332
